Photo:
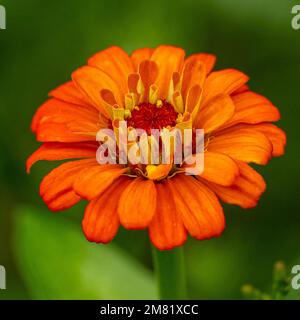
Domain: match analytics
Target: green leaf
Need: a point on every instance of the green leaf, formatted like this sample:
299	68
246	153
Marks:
57	262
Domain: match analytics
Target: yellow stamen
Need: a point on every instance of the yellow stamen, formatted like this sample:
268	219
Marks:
153	93
127	114
159	103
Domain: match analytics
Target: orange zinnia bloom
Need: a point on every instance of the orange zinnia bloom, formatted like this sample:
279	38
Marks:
155	88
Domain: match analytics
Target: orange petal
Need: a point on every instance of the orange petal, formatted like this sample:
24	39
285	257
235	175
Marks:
276	136
148	71
116	63
69	93
166	229
193	100
243	88
91	81
198	206
61	151
133	80
137	204
252	108
59	132
246	190
242	143
57	111
94	180
219	168
224	81
208	59
56	188
169	60
194	73
108	97
101	222
215	113
140	55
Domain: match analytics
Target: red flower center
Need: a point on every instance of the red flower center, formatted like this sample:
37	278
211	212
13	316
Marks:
149	116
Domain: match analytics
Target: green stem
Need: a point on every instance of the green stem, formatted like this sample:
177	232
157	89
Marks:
170	273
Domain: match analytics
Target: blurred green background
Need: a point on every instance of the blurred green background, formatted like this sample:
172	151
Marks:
45	253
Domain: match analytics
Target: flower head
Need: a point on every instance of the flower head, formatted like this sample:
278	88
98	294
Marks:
155	89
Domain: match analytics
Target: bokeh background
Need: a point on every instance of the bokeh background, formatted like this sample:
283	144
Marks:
45	253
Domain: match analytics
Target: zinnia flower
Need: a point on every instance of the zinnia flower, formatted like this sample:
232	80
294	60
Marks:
155	88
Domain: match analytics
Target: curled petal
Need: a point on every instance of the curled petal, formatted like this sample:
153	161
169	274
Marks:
193	100
133	80
194	73
148	71
169	60
108	97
